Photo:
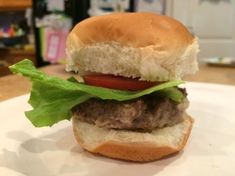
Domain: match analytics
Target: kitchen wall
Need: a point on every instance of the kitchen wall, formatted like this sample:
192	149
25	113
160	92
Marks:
212	21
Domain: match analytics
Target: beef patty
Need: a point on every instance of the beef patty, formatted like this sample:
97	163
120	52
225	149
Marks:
143	114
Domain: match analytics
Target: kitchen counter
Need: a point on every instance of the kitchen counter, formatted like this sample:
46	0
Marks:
14	85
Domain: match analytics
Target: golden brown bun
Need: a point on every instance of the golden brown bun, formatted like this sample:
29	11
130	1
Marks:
138	45
133	146
135	30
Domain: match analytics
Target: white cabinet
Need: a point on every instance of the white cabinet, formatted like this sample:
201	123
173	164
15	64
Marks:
213	21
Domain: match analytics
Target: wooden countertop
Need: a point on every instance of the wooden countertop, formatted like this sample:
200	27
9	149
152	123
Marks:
14	85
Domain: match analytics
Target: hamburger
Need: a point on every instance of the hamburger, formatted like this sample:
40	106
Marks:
131	105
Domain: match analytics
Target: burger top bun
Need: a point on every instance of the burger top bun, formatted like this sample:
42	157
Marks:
141	45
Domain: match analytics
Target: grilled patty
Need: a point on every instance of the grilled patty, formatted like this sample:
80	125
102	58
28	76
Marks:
143	114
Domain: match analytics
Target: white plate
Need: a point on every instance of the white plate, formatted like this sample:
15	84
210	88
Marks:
25	150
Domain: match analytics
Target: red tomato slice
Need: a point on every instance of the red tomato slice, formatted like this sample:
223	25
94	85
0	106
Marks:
117	82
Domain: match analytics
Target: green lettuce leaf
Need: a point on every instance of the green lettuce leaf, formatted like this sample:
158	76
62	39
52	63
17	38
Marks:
52	98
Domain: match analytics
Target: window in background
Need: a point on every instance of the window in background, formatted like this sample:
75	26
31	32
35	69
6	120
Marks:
156	6
101	7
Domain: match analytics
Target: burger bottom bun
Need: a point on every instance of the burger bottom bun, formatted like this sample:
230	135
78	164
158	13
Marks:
130	145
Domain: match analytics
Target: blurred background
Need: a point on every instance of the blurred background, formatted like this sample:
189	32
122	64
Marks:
37	29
